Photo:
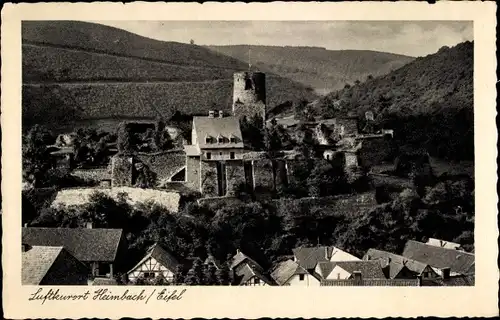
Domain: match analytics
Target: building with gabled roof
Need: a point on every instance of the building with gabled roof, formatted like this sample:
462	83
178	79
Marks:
347	269
99	249
398	267
156	262
308	257
214	160
443	244
46	265
290	273
458	262
372	283
247	274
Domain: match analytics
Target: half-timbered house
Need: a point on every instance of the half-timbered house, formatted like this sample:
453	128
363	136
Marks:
156	262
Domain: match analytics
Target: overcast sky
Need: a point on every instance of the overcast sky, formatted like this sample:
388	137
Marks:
413	38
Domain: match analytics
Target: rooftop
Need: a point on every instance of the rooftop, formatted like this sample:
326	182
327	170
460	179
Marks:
161	255
285	270
85	244
37	262
459	262
214	127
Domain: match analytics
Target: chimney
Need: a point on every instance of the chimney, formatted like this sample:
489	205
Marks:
88	225
211	113
221	114
445	273
357	276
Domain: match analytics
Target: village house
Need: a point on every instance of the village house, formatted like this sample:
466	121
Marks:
156	262
290	273
329	270
399	267
215	155
358	281
47	265
309	257
99	249
446	262
444	244
247	272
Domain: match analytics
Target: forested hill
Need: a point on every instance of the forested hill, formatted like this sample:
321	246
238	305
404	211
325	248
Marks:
325	70
428	102
79	70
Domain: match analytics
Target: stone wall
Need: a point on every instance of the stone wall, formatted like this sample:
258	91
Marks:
164	164
193	173
122	171
235	175
209	185
249	94
263	176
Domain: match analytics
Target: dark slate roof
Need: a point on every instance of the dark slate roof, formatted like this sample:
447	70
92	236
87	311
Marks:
226	127
239	258
308	257
458	261
37	262
368	269
371	283
161	255
84	244
247	272
397	261
285	270
454	281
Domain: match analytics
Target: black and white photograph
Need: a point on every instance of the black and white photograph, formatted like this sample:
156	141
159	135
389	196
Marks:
248	160
248	153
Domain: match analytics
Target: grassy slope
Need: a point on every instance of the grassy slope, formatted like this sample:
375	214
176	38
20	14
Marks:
429	102
317	67
78	70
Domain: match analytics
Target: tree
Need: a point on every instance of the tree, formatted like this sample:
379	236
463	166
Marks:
162	139
36	159
320	181
124	138
194	276
209	274
178	275
223	276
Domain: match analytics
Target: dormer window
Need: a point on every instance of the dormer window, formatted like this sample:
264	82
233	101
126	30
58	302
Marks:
220	139
208	139
232	139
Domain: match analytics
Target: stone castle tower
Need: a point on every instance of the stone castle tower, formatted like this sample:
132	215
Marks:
249	94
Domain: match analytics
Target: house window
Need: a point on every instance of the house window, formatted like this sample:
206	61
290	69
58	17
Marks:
233	139
301	277
231	155
209	155
220	154
248	84
149	275
208	140
257	281
220	139
426	274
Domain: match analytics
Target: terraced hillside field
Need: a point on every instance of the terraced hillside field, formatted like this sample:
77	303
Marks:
77	71
324	70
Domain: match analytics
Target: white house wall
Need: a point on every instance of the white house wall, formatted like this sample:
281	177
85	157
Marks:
151	265
338	273
309	281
